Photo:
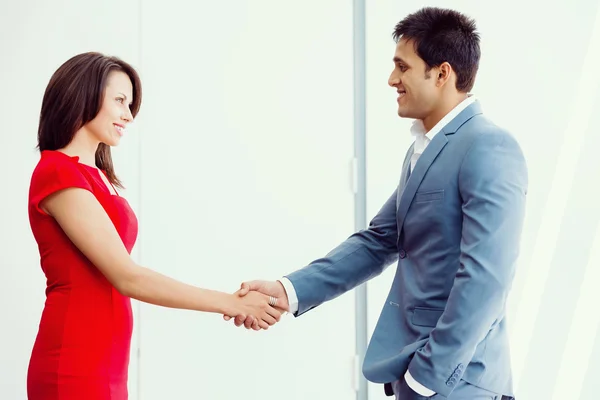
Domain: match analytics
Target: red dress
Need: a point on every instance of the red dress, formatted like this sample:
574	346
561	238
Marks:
82	348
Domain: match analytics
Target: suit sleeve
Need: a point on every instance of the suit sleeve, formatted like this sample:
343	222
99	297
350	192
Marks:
493	184
359	258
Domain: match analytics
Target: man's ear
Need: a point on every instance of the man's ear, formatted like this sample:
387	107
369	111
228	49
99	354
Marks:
443	74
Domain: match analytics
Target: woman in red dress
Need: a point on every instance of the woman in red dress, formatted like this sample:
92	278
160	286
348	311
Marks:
85	232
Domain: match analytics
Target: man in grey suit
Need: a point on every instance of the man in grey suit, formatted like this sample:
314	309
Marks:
453	224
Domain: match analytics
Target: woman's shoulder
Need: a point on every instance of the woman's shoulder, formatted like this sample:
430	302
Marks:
54	162
55	171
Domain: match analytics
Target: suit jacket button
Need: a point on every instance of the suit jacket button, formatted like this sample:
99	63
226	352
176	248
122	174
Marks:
402	253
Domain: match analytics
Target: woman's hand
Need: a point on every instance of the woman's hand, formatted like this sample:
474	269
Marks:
254	304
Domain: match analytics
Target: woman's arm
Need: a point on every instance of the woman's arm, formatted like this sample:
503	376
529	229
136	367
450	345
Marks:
87	225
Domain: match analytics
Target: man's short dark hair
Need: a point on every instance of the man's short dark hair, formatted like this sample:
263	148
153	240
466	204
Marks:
443	35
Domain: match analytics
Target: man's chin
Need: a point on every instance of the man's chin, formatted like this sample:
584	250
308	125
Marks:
404	113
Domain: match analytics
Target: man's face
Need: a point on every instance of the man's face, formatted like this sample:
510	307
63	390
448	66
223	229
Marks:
418	93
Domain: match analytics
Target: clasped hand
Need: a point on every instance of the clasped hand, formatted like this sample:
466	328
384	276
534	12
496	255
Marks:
254	311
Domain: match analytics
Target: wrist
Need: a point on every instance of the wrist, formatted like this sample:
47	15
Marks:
282	288
224	303
285	284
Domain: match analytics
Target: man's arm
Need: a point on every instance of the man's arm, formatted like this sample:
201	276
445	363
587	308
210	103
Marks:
362	256
359	258
493	185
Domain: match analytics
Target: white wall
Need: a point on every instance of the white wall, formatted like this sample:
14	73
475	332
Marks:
537	78
238	168
246	145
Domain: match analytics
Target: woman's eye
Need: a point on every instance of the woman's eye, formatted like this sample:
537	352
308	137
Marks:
120	99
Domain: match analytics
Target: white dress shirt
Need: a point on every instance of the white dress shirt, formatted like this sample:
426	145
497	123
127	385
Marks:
422	139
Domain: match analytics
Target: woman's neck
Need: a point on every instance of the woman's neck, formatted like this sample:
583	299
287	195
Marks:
84	147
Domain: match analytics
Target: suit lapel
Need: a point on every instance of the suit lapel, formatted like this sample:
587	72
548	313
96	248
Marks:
417	175
405	173
411	182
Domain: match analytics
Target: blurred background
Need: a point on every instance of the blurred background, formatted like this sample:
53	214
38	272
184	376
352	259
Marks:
266	136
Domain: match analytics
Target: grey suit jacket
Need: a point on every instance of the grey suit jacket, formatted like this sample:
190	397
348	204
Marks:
454	226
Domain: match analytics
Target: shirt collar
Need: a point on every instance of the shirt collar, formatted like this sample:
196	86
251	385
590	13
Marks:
418	129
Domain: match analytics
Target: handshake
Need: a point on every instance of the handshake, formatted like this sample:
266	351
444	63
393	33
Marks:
258	305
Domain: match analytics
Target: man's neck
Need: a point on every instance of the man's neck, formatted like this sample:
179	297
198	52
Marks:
441	111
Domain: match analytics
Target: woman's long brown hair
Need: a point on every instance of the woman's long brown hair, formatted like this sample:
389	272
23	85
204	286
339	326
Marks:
74	97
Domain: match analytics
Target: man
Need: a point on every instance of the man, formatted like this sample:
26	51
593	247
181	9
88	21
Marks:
453	223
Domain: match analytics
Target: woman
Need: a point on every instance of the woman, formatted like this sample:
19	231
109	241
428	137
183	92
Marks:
85	232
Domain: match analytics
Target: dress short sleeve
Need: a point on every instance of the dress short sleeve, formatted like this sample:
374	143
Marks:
53	174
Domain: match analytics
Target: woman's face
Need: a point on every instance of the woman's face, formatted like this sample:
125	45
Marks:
111	122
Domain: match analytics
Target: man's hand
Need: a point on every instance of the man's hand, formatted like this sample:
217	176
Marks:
269	288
